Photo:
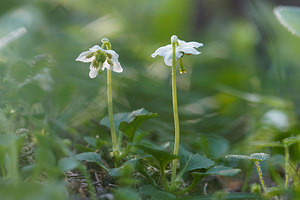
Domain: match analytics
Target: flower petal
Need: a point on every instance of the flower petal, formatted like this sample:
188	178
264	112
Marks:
162	51
95	48
189	50
194	44
116	66
168	59
82	57
113	53
93	71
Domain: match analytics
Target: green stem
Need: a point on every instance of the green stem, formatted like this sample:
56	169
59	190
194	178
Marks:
260	175
164	180
190	187
176	120
287	157
110	108
111	115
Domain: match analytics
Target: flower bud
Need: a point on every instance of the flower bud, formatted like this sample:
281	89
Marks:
174	39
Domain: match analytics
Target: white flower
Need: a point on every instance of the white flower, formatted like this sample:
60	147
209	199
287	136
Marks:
181	48
110	63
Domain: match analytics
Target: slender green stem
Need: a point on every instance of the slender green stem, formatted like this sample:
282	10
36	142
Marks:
110	110
110	113
190	187
164	179
260	175
176	120
287	157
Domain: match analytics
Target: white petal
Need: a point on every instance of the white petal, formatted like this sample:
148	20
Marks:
117	67
189	50
195	44
178	53
93	71
82	57
162	51
168	59
113	53
95	48
105	65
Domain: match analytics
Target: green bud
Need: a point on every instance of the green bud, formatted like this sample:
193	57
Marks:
100	71
100	56
255	188
91	54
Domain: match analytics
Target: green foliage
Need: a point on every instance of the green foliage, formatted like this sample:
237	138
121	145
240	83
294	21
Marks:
161	156
189	161
129	123
289	17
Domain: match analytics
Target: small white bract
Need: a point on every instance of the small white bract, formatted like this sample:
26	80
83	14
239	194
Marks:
181	48
111	61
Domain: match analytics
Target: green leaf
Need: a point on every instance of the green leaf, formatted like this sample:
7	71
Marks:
260	156
67	164
134	120
91	157
163	157
189	161
291	140
222	171
289	17
128	123
267	144
90	140
126	194
148	191
239	157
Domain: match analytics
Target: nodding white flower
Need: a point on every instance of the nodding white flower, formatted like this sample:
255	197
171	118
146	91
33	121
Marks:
181	48
95	57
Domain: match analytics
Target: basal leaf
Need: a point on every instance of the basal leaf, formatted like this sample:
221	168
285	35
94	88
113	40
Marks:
128	123
67	164
189	161
148	191
91	157
289	17
222	171
163	157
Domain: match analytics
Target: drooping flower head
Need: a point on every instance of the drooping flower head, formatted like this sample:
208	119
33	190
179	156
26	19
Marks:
181	48
100	60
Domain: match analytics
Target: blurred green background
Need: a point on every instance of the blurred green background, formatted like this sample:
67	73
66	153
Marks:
243	87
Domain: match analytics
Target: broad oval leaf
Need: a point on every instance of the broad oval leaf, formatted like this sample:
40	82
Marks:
128	123
222	171
289	17
163	157
91	157
189	161
67	164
